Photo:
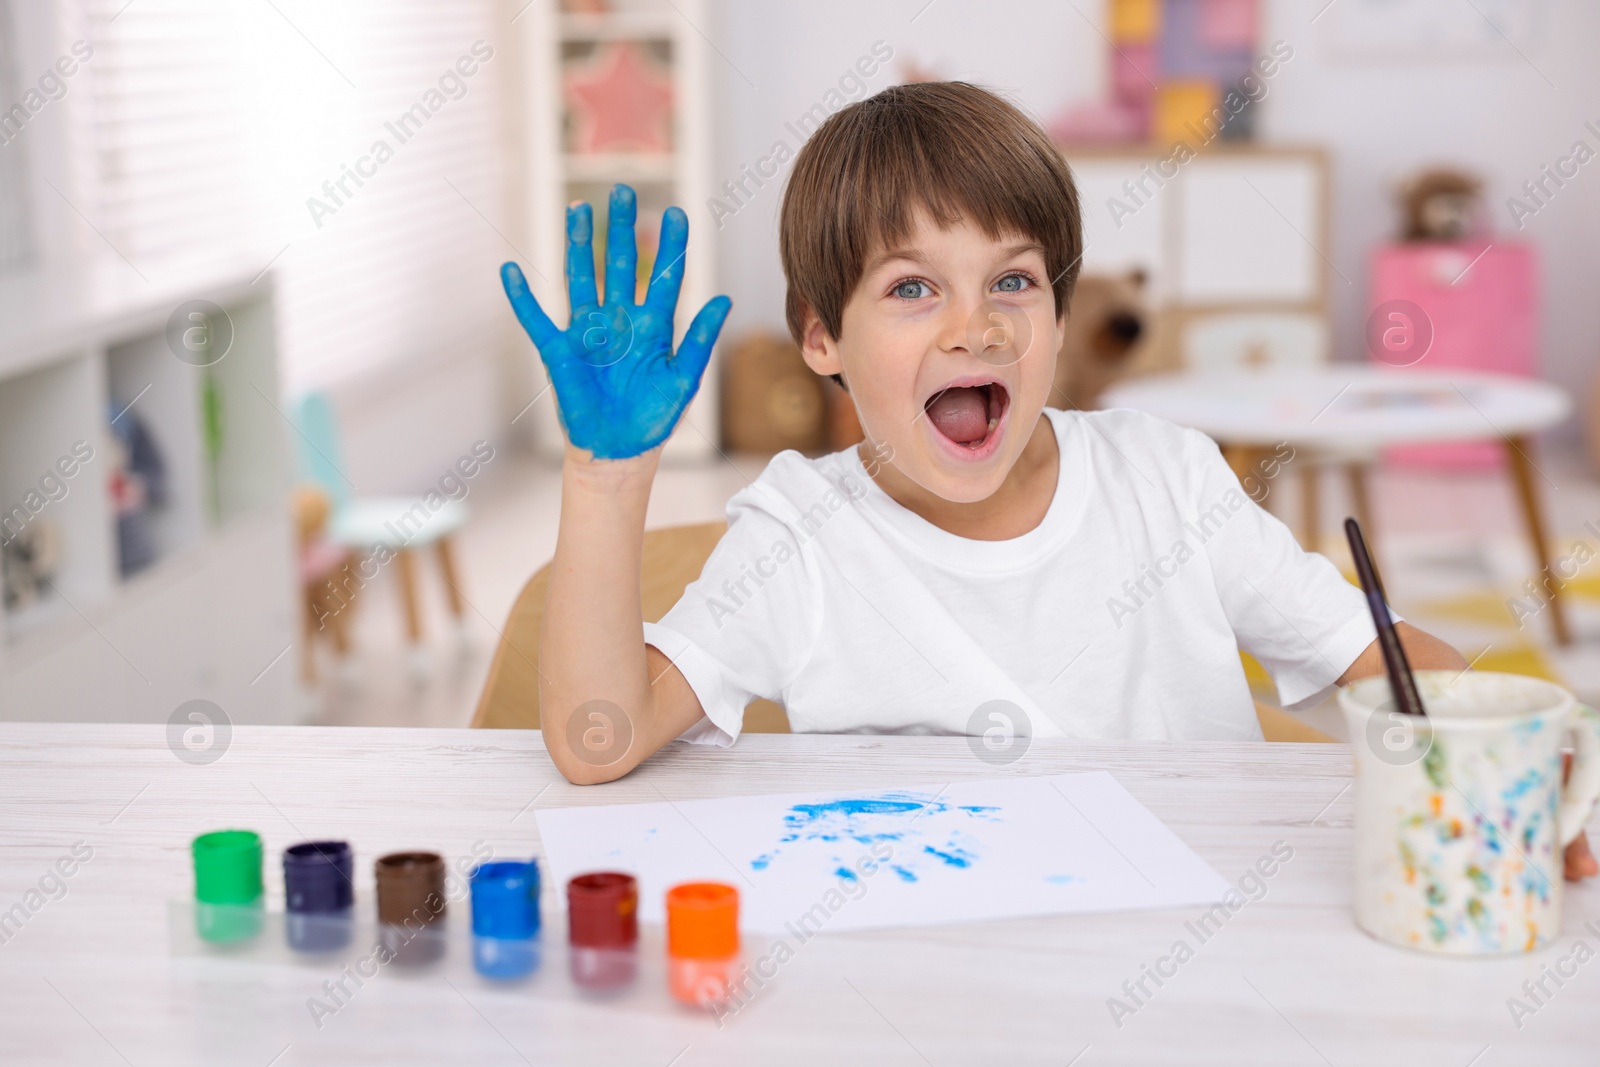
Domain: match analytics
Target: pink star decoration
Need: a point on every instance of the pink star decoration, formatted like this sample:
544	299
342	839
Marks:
620	100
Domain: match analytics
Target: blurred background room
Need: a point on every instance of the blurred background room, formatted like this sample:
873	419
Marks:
273	448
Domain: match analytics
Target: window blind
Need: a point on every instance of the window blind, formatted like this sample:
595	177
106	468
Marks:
251	130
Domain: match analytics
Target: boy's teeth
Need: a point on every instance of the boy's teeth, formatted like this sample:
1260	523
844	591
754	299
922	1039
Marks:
992	424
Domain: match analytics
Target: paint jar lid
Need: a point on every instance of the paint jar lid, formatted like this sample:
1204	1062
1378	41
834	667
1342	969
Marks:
702	921
505	899
316	877
603	910
410	886
227	867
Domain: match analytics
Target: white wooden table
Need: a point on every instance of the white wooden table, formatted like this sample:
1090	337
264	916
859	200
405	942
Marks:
92	978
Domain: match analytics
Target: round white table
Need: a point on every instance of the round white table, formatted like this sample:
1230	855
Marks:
1351	413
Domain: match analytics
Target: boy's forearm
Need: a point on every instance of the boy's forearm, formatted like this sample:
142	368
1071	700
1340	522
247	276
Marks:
590	646
1424	652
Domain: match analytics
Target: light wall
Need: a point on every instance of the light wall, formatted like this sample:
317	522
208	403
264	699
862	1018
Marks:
1379	121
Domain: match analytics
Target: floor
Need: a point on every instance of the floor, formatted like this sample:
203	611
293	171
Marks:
1451	545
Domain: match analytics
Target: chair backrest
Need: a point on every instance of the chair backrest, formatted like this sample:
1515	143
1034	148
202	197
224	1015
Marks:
673	557
317	446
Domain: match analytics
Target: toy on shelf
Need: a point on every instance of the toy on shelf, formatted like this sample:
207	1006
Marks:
29	561
1441	204
138	486
1445	295
619	100
1180	70
1110	317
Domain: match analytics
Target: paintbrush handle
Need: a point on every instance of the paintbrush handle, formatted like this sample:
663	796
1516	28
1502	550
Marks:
1401	681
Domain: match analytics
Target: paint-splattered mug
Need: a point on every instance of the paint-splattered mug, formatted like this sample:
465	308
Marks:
1461	817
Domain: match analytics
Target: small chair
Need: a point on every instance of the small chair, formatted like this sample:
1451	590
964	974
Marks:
327	586
401	525
674	557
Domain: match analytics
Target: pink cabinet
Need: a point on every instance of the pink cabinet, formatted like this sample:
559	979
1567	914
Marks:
1473	305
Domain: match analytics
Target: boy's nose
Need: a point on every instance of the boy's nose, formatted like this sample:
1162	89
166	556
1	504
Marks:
976	327
991	332
955	327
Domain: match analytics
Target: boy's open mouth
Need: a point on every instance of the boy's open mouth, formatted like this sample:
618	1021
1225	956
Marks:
968	414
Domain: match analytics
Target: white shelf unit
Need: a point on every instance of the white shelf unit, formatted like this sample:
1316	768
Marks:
218	603
683	177
1233	246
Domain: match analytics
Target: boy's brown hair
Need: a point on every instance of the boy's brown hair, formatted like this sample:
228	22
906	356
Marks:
956	150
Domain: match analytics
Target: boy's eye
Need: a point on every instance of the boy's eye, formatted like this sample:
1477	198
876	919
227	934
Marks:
1013	283
911	289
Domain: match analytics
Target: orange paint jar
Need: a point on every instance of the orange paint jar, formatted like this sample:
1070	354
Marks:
702	942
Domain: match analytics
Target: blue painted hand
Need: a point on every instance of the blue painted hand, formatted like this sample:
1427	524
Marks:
620	389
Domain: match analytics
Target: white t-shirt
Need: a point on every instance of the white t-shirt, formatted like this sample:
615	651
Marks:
1119	616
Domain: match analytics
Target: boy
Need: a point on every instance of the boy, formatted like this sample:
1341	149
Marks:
1091	573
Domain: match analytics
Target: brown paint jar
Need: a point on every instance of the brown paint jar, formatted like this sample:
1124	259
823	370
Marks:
411	898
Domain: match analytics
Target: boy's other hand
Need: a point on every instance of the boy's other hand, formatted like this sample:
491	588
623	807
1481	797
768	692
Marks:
620	389
1580	861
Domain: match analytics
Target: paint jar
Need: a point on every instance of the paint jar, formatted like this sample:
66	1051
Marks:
505	918
318	894
603	928
702	942
411	905
227	885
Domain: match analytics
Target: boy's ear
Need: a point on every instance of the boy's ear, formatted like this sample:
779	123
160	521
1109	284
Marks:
821	352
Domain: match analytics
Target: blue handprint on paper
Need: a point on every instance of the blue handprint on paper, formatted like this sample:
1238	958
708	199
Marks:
620	389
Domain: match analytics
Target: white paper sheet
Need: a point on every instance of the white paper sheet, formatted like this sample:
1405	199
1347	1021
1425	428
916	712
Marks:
990	849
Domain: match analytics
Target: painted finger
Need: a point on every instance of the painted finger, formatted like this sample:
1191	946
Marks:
622	256
695	351
540	329
580	257
666	276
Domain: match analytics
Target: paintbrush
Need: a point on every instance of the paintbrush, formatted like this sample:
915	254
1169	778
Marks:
1401	682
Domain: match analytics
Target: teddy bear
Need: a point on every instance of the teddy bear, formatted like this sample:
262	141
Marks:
1440	204
1108	320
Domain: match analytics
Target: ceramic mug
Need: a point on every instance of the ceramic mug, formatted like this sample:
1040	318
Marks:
1461	817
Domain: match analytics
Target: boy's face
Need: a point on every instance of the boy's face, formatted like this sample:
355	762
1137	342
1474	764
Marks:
949	348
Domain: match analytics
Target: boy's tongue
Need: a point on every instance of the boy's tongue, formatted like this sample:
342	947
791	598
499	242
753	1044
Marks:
961	414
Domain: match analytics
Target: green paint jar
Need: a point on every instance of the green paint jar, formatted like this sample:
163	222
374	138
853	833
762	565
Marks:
227	885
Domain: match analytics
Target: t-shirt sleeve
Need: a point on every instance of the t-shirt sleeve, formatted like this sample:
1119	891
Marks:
747	625
1290	609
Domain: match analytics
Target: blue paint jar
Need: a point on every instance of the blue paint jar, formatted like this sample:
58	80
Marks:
318	895
505	918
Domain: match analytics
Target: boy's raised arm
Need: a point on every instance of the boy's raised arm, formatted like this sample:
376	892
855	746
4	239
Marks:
620	391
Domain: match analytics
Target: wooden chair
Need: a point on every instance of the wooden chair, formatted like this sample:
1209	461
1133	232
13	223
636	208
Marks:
673	557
